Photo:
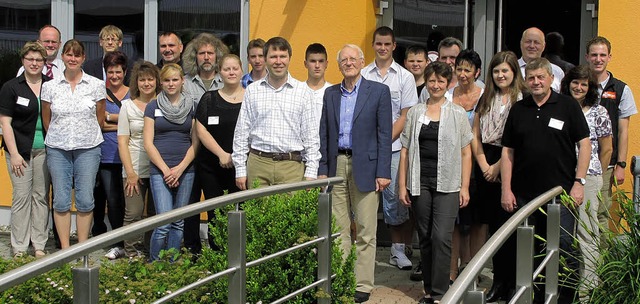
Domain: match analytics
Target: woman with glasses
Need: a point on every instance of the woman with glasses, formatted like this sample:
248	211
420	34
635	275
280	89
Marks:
23	141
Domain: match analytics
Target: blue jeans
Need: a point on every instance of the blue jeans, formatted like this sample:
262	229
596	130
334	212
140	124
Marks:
394	212
166	199
77	169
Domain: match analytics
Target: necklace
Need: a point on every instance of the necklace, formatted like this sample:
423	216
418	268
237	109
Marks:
234	96
34	82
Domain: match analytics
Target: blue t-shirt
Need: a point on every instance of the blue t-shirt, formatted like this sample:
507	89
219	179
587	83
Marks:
109	146
171	140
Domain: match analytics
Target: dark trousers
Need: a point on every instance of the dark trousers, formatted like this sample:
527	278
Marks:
108	192
435	215
212	182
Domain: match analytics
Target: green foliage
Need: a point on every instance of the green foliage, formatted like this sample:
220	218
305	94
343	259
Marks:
273	223
619	265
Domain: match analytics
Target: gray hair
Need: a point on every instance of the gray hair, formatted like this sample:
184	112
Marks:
351	46
189	56
539	63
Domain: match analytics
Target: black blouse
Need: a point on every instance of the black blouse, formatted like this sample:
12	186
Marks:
18	101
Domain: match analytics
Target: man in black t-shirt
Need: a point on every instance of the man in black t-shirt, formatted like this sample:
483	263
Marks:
539	141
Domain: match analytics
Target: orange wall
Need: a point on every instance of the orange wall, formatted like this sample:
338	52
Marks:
618	22
332	23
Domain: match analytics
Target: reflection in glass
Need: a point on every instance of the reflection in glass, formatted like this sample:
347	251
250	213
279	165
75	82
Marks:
20	23
128	15
191	17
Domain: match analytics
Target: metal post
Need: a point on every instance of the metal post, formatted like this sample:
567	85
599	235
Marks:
524	264
237	257
324	248
475	297
85	283
553	249
635	171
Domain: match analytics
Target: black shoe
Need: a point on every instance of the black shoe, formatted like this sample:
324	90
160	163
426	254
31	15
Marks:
361	297
497	292
416	275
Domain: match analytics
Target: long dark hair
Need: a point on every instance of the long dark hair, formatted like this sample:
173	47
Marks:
581	72
517	85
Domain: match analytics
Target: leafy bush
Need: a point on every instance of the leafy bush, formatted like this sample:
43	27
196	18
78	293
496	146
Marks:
273	224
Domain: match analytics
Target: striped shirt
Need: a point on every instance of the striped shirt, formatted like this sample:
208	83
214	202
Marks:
277	120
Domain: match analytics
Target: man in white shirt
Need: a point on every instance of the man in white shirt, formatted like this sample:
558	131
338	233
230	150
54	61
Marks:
315	61
49	37
532	45
448	50
617	98
276	139
402	86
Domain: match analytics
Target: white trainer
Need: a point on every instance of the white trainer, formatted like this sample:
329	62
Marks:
398	257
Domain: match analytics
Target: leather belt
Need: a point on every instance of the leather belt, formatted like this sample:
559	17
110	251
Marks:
294	155
347	152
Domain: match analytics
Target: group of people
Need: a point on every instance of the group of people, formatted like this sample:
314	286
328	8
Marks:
448	154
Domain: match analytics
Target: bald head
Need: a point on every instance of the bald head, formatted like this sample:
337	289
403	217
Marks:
532	44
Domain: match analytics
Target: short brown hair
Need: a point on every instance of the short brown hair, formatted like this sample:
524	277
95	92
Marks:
32	46
143	68
255	43
111	30
599	40
75	46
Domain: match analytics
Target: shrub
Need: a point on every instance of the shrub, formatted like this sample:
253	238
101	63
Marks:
273	224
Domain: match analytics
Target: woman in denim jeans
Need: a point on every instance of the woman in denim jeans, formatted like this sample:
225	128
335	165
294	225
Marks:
170	144
73	113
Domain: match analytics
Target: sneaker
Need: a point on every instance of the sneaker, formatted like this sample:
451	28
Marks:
115	253
416	275
398	258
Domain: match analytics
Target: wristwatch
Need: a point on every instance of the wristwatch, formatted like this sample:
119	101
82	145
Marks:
581	180
622	164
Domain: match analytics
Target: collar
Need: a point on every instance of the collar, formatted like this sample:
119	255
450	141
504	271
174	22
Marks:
290	81
395	67
356	87
196	77
85	78
553	98
521	62
604	83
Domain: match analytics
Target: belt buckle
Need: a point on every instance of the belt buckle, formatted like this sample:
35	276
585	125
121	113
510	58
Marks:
276	157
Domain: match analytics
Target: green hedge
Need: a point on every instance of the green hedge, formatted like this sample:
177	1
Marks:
273	224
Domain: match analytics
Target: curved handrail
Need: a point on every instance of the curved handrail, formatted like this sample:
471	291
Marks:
40	266
475	266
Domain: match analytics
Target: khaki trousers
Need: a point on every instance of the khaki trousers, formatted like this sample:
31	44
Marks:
30	203
605	204
347	200
271	172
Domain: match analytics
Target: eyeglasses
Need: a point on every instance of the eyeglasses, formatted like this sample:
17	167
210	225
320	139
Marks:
36	60
110	39
349	60
49	42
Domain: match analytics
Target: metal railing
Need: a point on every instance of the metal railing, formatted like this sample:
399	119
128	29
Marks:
465	289
85	279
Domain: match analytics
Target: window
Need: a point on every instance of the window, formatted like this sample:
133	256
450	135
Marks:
20	23
191	17
90	16
426	22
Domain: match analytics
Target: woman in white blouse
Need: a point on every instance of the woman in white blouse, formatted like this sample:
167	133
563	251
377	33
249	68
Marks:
144	85
73	111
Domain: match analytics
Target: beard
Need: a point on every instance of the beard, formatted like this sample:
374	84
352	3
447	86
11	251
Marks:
207	67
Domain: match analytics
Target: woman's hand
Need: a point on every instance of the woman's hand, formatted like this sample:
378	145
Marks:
18	165
404	197
464	197
492	174
132	186
225	161
172	179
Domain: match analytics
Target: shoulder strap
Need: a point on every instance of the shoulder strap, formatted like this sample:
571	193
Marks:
114	98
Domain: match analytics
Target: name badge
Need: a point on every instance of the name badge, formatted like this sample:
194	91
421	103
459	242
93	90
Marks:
23	101
424	120
158	113
556	124
609	95
213	120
